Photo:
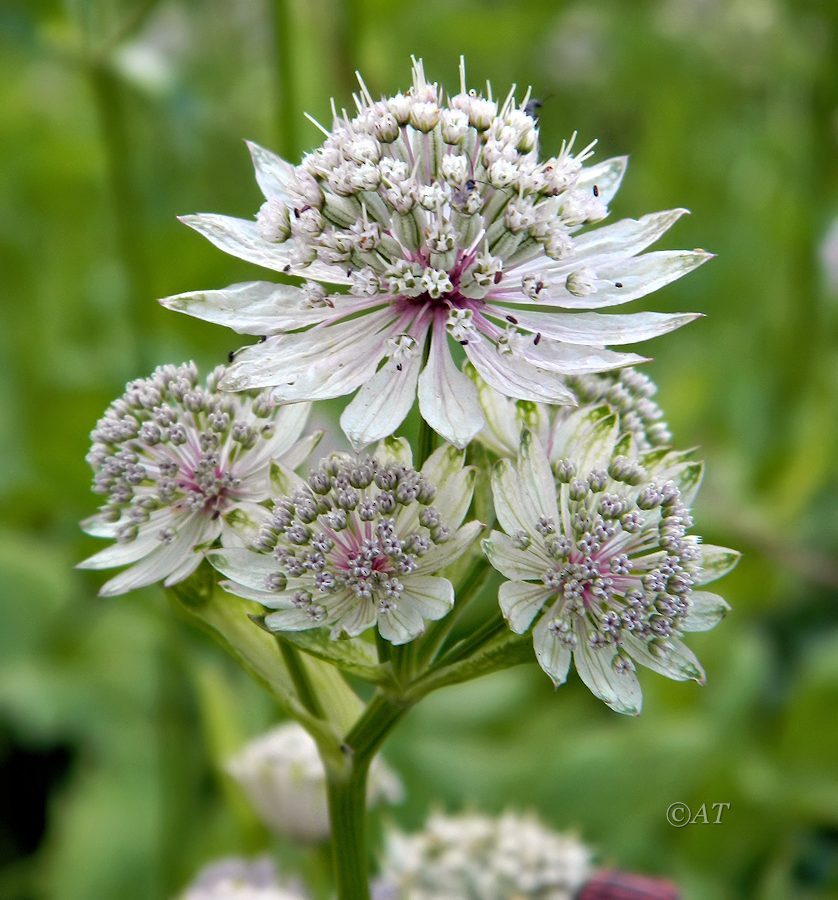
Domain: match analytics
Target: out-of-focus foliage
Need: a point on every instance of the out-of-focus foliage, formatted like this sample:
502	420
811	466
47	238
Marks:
115	716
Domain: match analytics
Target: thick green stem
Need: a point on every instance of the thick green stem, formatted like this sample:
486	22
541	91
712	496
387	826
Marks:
347	792
347	795
285	79
297	670
474	641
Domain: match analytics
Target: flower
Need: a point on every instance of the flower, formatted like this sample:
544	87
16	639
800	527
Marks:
240	879
440	227
597	549
358	543
284	780
182	464
627	393
474	857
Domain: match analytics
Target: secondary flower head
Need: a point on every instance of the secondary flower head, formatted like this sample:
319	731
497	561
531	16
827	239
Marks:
627	393
240	879
181	463
474	857
283	777
356	545
423	223
597	551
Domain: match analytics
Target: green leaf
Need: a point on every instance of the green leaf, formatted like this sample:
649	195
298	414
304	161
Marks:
352	655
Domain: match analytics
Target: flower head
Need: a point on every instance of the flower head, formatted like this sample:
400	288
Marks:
240	879
180	464
423	223
356	545
626	392
597	551
284	780
474	856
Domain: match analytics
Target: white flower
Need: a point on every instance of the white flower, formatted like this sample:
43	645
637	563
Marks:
474	857
181	465
444	208
240	879
596	549
284	780
627	392
358	544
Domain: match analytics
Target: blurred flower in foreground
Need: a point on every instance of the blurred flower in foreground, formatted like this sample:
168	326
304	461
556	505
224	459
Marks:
828	253
627	392
441	225
283	778
474	857
598	547
359	543
240	879
182	464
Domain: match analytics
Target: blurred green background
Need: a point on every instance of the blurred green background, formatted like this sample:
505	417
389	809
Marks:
114	714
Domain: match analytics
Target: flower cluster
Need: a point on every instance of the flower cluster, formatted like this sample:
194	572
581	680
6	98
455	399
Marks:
597	548
356	544
240	879
181	464
627	392
474	857
283	778
431	218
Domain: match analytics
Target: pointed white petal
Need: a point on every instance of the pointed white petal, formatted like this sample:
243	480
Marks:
289	423
382	403
430	597
637	277
628	237
509	505
245	567
285	481
120	554
447	399
301	451
314	364
164	559
272	172
395	450
352	615
606	175
291	619
511	561
706	611
445	462
619	690
252	307
521	602
587	437
577	359
595	328
401	624
442	555
517	377
537	482
241	238
678	663
553	654
716	562
505	418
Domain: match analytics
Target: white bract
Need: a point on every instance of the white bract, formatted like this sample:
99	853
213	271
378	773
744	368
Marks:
598	556
358	544
475	857
627	393
182	464
424	223
283	777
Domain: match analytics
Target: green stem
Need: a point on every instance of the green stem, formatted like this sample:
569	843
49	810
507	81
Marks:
347	796
299	676
473	583
474	641
285	81
347	793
